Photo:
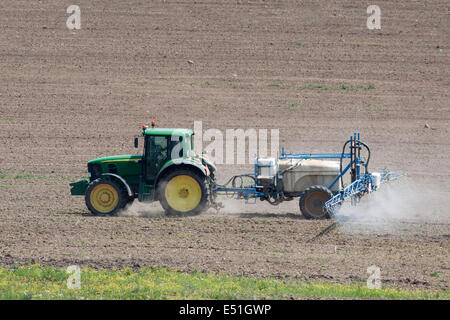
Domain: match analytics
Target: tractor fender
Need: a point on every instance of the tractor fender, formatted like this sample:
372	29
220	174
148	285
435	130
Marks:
183	162
122	180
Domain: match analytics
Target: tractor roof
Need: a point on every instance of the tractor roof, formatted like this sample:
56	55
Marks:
167	131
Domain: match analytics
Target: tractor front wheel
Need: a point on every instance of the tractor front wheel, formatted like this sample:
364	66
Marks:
313	200
104	197
182	192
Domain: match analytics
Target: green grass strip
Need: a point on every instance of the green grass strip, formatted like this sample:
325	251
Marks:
41	282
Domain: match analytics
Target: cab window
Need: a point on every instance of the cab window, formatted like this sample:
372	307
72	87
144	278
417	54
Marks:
159	150
156	154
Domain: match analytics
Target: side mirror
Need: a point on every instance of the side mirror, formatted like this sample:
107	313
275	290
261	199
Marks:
136	142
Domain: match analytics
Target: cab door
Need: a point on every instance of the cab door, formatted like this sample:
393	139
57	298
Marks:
157	154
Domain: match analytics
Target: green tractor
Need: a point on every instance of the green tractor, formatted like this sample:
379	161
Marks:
167	171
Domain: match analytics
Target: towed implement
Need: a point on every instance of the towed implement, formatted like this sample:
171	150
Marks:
321	181
169	171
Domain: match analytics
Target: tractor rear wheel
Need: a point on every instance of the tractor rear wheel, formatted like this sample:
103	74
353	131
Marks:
182	192
104	197
313	200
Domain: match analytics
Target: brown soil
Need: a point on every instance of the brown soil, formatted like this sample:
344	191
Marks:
69	96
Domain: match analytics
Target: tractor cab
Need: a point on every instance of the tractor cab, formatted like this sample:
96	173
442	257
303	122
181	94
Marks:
163	145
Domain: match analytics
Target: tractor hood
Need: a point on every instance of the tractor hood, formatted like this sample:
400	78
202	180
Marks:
120	158
126	166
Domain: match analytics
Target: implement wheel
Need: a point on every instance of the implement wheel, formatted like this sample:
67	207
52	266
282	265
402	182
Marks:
183	192
312	202
104	197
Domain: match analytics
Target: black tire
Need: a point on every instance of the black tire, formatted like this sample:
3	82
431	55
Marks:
312	202
200	180
129	201
110	189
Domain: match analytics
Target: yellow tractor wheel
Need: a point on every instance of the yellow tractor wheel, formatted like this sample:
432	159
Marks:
182	192
104	197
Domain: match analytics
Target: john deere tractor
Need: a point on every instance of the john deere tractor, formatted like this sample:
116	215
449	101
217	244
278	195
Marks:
167	171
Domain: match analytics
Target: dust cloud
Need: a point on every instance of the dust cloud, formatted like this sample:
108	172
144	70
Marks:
141	209
400	202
